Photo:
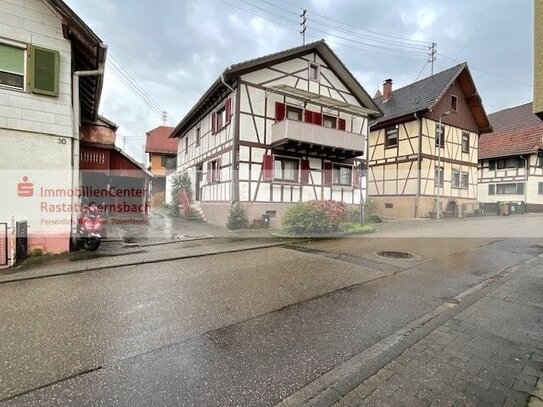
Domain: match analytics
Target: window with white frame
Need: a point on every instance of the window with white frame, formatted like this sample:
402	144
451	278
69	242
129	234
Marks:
391	136
286	169
342	175
510	189
12	66
221	118
440	135
294	113
329	121
465	142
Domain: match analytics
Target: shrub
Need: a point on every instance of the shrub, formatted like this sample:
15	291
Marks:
237	217
375	218
315	217
304	218
180	182
336	212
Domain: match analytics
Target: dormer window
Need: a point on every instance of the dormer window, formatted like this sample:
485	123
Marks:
454	103
314	71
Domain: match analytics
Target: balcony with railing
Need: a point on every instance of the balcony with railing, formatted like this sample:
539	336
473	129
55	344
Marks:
315	140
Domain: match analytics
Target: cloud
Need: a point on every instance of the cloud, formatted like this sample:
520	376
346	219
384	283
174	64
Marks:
175	49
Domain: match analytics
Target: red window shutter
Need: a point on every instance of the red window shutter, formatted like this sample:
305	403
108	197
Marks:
341	124
327	176
267	167
228	109
279	111
308	116
356	176
213	122
304	171
317	119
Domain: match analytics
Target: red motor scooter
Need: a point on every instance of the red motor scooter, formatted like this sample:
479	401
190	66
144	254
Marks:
90	227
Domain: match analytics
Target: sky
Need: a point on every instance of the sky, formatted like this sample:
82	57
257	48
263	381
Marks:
174	49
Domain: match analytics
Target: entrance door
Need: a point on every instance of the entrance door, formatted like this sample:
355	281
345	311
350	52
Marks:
197	186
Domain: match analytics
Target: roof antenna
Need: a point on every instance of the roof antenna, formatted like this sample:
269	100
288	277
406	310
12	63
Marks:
303	24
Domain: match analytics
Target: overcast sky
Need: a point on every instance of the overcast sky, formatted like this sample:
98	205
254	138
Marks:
174	49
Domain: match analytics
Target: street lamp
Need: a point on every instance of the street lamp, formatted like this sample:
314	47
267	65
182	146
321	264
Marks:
441	173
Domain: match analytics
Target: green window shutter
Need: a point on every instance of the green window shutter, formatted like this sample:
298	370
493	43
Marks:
43	70
520	188
492	165
520	162
491	189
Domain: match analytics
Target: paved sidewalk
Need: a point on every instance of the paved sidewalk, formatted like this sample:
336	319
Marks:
490	354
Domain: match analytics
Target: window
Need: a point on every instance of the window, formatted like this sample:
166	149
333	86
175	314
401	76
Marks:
12	64
455	179
294	113
329	121
221	118
510	189
465	180
197	136
391	136
492	165
440	135
168	161
342	175
314	71
491	189
187	144
438	176
510	163
215	171
454	103
540	188
285	169
465	142
389	205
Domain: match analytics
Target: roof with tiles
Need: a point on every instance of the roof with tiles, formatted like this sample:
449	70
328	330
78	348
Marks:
159	141
517	131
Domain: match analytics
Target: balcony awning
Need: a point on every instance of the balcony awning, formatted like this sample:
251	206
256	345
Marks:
320	100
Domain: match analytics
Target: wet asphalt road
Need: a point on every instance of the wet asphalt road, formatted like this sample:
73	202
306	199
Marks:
242	329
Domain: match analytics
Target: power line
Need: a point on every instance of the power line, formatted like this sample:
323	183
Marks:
121	74
483	20
421	71
388	50
488	72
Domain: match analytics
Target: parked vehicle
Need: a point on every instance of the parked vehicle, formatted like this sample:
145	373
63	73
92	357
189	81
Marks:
90	228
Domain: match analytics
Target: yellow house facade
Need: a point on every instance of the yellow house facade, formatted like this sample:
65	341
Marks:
424	150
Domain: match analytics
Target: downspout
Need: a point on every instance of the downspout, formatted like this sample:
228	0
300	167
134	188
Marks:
235	147
76	106
419	166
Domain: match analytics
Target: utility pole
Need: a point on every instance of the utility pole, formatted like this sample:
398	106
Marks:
164	117
303	25
432	56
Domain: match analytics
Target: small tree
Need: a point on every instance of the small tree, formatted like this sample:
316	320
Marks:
180	182
237	217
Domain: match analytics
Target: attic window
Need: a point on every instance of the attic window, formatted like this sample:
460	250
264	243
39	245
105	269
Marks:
454	103
314	71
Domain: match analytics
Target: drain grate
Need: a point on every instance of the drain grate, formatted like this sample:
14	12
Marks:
395	255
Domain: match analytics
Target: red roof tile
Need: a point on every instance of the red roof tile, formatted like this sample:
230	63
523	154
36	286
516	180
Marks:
514	142
159	141
516	131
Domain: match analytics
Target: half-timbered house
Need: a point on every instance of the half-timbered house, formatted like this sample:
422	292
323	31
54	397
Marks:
276	130
511	159
424	149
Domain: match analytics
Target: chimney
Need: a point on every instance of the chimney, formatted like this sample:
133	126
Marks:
387	89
